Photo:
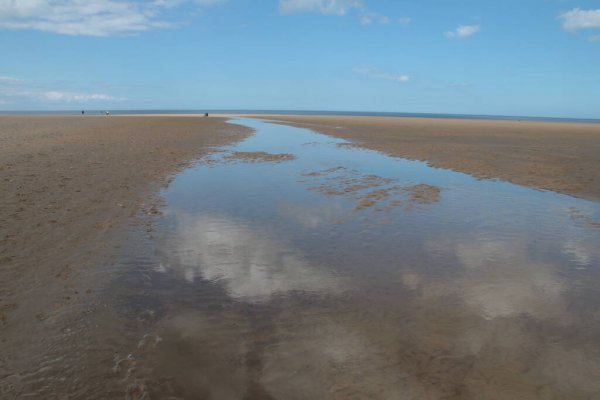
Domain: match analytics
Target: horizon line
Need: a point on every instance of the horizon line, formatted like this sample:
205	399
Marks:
301	112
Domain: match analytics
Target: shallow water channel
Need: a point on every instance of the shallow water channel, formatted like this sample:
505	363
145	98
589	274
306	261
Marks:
298	266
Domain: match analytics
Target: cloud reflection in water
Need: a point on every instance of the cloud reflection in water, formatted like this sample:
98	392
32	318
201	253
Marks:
252	265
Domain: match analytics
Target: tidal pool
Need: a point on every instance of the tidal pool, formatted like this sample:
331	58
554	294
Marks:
297	266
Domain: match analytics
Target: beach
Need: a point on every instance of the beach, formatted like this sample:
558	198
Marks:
556	156
67	180
299	200
165	256
69	186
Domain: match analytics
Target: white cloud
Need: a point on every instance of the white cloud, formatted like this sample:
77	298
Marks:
580	19
12	88
404	21
252	265
174	3
88	17
327	7
339	8
373	18
378	74
70	97
463	31
9	80
210	2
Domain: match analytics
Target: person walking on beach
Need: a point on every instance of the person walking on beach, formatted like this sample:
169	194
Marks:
82	112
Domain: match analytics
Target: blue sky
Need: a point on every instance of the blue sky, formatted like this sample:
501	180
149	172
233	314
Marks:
527	57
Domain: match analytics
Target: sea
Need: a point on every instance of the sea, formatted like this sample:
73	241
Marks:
307	112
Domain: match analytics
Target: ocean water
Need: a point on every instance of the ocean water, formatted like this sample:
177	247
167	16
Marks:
304	112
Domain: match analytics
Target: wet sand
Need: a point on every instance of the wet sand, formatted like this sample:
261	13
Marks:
561	157
281	270
68	186
258	156
347	274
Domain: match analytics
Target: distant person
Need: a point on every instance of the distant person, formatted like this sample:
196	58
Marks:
82	112
107	112
206	114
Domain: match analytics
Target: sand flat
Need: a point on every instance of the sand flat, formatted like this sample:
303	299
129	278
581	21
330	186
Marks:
558	156
338	263
64	178
67	185
347	271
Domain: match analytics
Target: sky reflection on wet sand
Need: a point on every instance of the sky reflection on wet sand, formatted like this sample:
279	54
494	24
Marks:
272	289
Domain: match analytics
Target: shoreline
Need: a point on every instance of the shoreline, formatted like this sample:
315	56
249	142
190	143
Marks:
556	156
75	189
309	113
71	187
66	179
